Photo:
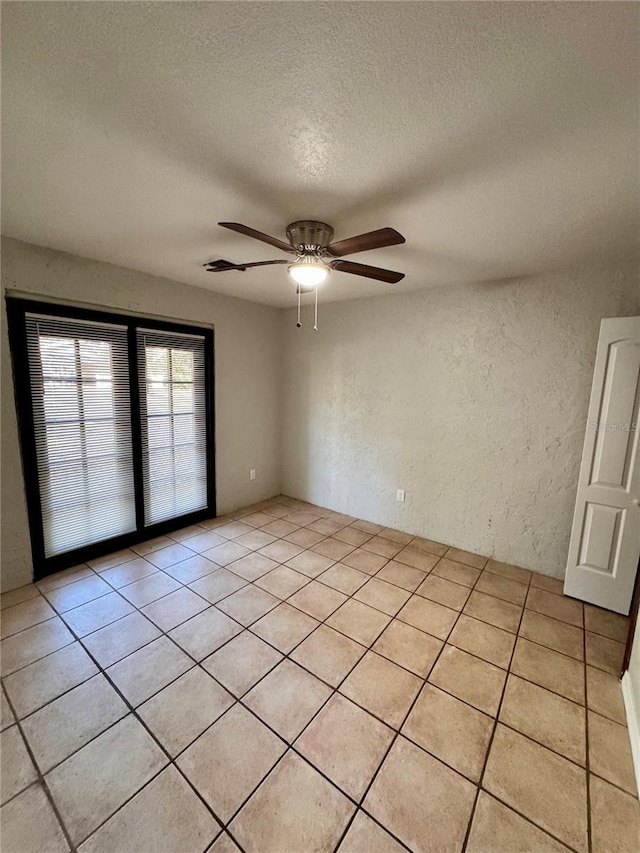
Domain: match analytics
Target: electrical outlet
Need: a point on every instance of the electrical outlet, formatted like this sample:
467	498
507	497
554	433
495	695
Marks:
400	496
252	474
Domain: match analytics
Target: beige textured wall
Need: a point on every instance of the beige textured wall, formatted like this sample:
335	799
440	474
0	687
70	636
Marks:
247	372
472	399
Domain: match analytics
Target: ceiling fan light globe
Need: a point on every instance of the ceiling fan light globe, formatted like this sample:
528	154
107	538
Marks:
308	273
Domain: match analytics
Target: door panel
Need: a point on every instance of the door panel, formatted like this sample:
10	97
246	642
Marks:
605	538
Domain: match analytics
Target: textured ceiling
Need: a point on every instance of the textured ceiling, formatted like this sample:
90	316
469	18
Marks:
500	138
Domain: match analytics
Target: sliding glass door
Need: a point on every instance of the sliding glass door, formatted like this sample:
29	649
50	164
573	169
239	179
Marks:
116	428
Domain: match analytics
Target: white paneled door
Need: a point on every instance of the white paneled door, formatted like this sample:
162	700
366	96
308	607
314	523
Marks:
605	538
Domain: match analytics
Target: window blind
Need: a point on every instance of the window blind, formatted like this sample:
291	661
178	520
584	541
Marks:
173	423
82	421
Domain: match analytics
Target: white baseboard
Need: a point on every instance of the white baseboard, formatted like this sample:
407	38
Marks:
633	723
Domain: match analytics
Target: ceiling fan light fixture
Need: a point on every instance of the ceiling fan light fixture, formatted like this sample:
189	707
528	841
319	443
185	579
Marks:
308	271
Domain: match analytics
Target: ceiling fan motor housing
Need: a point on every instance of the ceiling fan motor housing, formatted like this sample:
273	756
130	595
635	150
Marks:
307	235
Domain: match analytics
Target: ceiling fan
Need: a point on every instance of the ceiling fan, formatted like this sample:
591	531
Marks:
316	255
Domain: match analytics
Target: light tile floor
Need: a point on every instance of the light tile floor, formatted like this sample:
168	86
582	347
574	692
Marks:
289	679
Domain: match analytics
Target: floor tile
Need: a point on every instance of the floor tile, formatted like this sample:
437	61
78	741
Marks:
543	786
18	596
485	641
558	606
366	834
169	556
359	621
333	548
253	566
615	819
284	627
326	526
408	647
401	575
303	517
446	592
242	662
59	579
429	545
382	687
148	670
549	669
456	572
29	824
129	572
611	625
352	536
205	633
343	578
67	724
26	615
304	537
152	545
423	803
226	553
75	594
192	569
382	546
179	713
282	581
473	680
553	634
33	644
416	558
281	551
7	717
16	767
248	604
175	608
96	614
545	717
502	614
610	752
382	595
497	829
502	588
364	561
202	541
477	561
604	653
506	570
127	757
255	540
35	685
548	583
322	812
396	535
218	585
223	844
165	816
114	642
230	759
310	563
110	560
149	589
451	730
604	695
257	519
183	534
282	528
367	526
346	744
428	616
287	698
318	600
328	654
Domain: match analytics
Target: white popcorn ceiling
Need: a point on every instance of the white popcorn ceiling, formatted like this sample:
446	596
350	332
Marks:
500	138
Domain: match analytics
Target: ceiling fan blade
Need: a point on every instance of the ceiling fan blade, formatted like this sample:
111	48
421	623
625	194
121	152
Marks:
257	235
223	266
365	270
371	240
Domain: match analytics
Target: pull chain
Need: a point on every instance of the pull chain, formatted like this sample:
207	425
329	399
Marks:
315	317
299	323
